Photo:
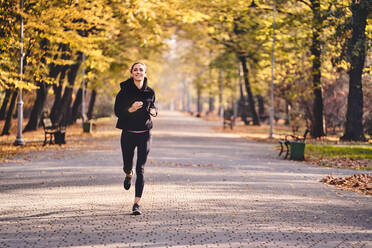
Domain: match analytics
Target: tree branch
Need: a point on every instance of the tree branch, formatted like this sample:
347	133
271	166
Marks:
306	3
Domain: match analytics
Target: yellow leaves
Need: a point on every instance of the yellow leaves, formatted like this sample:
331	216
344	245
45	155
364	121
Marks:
211	29
191	16
97	61
16	83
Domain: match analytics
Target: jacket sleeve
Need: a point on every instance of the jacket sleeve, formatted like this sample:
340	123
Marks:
152	104
121	105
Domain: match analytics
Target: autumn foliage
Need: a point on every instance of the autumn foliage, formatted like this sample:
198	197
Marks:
198	53
359	182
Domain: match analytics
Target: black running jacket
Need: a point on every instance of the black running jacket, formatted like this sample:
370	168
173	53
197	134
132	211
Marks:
129	93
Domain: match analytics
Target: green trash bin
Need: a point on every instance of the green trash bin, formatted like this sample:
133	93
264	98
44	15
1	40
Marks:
297	150
87	127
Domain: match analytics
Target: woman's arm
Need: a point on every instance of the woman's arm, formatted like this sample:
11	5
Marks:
153	109
122	105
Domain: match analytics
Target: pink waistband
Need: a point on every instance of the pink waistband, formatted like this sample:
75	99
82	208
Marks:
142	131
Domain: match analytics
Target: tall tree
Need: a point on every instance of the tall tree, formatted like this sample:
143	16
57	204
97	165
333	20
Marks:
76	106
9	115
5	104
251	102
41	96
317	123
238	33
41	92
57	89
357	54
92	102
65	112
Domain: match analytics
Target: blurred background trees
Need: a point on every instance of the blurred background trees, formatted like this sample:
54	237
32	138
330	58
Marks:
203	57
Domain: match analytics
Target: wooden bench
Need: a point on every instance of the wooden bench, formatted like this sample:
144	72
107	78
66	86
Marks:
56	133
229	122
228	119
289	142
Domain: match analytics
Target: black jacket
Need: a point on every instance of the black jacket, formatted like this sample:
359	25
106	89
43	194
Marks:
128	94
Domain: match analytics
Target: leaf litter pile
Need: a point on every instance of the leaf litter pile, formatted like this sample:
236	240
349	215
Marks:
361	183
349	163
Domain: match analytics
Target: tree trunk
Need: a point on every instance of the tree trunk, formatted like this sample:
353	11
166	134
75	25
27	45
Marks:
55	111
220	108
65	114
199	105
211	103
92	101
188	102
357	53
76	106
252	107
184	93
261	107
317	121
8	120
57	98
242	107
5	104
41	96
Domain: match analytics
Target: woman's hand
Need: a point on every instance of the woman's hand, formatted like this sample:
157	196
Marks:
153	112
135	106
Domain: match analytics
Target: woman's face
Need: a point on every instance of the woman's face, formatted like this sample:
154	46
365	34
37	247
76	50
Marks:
138	72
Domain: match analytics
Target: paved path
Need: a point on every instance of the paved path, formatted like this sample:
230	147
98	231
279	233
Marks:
203	189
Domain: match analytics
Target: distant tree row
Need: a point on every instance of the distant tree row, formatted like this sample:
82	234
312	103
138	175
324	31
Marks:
221	48
318	45
64	38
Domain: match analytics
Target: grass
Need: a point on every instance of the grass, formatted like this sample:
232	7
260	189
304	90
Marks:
331	151
327	151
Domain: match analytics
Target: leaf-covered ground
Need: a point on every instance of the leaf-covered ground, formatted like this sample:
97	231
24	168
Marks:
347	163
75	139
361	183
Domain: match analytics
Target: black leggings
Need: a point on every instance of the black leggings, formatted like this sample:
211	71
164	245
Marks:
129	141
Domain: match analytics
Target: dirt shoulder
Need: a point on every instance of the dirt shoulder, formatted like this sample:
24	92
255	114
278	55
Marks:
75	139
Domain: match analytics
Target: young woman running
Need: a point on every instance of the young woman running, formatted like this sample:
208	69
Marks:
133	106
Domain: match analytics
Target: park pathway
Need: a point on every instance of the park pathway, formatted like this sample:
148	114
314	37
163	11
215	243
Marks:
203	189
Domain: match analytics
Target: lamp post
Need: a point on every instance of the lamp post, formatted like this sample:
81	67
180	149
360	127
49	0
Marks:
19	140
272	76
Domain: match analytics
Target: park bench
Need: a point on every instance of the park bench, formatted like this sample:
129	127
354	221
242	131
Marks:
55	133
228	119
229	122
294	145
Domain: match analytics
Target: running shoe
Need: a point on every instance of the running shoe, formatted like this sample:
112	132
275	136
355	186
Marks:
136	209
127	181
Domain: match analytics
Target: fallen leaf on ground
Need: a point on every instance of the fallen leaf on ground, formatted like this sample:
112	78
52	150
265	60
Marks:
356	164
361	183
